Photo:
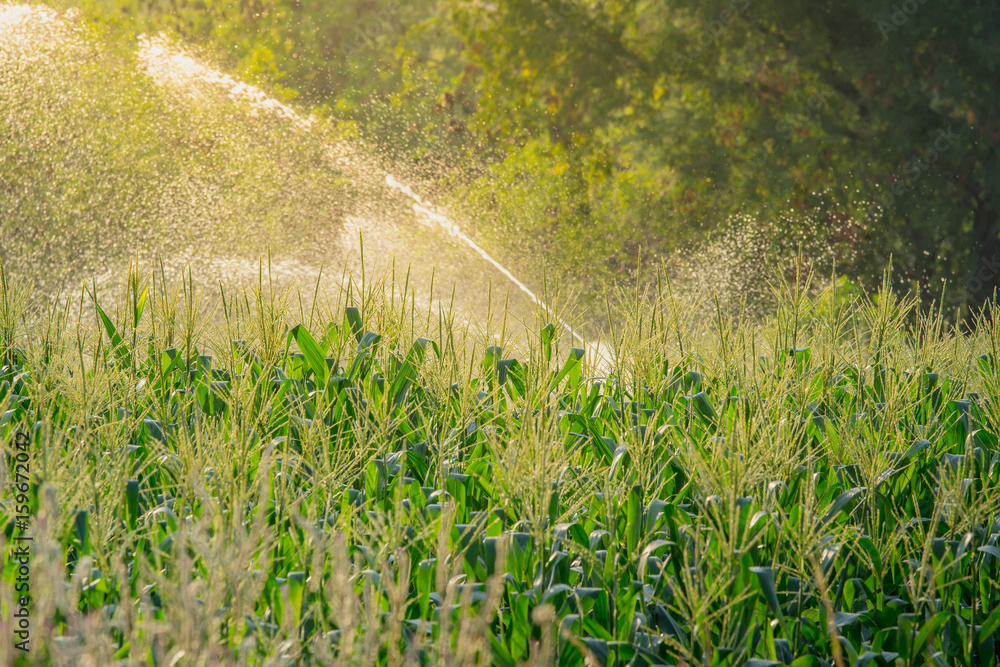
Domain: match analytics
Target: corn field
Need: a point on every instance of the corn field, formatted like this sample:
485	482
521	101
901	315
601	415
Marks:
368	480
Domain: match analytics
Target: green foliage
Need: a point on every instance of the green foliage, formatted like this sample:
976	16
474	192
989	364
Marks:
328	54
577	133
823	487
876	111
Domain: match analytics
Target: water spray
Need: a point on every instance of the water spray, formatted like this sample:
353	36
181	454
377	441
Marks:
171	66
422	208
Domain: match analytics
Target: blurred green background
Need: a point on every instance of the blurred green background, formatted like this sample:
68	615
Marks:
595	139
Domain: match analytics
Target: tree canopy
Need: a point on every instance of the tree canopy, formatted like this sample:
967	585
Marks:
587	129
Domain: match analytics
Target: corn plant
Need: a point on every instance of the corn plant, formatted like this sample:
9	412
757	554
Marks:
371	483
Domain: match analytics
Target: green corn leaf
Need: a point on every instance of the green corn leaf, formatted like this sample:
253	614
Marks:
989	626
571	369
117	343
296	588
598	651
806	661
870	548
501	656
634	519
765	577
842	501
595	629
548	335
620	459
132	502
927	631
81	528
353	317
520	627
313	354
651	549
703	407
139	307
367	342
